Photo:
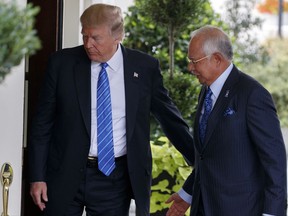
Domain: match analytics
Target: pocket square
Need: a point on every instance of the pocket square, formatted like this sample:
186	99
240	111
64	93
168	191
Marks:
229	111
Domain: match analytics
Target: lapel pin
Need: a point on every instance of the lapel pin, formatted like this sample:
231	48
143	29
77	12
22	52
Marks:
135	74
227	93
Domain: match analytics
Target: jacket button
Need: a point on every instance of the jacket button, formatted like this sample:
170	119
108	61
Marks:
201	157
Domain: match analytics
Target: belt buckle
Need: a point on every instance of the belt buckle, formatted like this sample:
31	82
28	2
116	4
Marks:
92	158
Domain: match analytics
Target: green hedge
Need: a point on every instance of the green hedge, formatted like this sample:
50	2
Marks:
169	173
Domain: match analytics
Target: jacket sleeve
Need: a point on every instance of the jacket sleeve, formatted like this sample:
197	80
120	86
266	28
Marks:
170	118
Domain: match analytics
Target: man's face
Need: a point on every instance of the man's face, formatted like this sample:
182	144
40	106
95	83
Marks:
99	43
200	65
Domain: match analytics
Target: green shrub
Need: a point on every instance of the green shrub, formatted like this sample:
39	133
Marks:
169	172
17	38
169	168
183	89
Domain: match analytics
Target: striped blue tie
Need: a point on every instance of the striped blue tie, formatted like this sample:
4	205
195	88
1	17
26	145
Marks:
106	160
207	110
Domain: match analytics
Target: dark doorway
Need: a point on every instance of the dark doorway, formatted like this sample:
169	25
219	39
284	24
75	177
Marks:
49	27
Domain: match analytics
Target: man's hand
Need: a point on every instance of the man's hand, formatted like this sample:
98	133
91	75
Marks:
38	191
178	207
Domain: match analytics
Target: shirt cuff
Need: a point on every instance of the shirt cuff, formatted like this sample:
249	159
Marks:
186	197
267	214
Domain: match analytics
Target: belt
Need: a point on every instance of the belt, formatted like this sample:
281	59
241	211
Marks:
93	161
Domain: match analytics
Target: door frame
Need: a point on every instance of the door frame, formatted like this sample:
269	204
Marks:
50	34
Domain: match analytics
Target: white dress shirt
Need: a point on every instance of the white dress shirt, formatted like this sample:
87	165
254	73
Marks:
115	71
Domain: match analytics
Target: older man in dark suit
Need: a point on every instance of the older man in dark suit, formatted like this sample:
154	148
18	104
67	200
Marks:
240	163
75	162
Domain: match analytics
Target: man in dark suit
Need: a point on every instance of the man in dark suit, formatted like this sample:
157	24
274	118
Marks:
64	151
240	163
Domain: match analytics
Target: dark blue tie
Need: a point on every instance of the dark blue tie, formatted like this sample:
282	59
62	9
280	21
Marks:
207	111
106	160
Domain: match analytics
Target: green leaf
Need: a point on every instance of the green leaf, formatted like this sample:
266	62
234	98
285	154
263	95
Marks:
18	37
168	161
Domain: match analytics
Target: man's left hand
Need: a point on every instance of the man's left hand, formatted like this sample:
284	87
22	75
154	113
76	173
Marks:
178	207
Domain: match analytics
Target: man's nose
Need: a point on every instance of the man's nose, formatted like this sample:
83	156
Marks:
89	43
191	67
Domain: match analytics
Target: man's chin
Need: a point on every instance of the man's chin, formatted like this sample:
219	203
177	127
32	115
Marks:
199	79
94	58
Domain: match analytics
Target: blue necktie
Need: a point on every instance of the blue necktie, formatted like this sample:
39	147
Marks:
207	111
106	160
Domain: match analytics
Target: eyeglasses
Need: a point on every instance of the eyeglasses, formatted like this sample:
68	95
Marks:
194	62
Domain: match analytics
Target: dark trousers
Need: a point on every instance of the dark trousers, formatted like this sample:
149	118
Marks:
102	195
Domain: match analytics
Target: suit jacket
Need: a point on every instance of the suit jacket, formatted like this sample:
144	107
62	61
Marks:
240	169
60	137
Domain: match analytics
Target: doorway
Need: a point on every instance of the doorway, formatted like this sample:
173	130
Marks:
50	33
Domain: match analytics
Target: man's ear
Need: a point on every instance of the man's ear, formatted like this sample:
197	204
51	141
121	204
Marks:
218	58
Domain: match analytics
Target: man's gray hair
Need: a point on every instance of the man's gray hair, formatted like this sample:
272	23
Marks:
214	40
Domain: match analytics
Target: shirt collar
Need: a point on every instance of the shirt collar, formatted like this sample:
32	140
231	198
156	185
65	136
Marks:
217	85
117	58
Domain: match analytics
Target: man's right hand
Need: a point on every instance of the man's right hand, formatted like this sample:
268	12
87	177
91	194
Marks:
38	191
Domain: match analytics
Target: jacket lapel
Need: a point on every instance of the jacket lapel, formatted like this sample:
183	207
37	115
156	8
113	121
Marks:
132	77
82	74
